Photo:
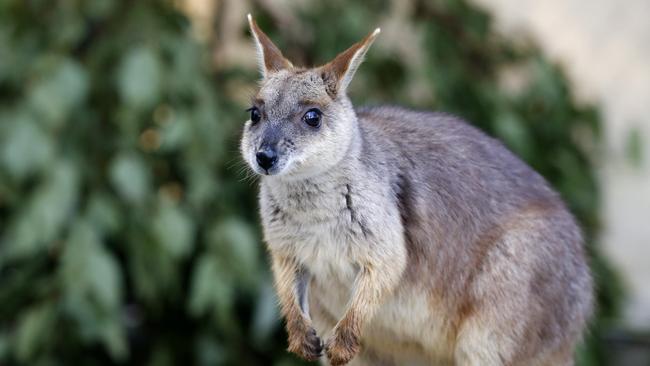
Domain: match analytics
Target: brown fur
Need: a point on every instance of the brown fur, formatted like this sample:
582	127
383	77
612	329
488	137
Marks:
302	336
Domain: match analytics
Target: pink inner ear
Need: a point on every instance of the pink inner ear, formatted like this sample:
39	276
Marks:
331	82
334	71
273	58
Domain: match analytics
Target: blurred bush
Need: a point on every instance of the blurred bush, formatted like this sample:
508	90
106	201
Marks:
128	233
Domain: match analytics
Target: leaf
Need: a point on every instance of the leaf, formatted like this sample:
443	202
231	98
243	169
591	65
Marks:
185	61
103	213
93	289
634	147
26	148
237	244
55	96
139	78
104	278
153	270
175	133
211	289
509	127
131	177
114	339
205	272
33	331
266	316
47	209
202	185
89	269
101	8
174	230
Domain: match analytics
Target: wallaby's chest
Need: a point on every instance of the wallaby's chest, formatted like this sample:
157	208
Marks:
317	224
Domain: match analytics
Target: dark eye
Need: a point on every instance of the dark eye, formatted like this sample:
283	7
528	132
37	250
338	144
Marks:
256	116
312	117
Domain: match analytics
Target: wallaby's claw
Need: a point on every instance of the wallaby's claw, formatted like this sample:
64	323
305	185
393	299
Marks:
342	347
309	346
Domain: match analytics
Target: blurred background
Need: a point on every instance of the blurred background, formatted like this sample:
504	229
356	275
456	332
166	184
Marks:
129	231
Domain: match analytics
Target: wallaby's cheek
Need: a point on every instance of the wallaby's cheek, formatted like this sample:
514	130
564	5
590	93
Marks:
318	154
247	147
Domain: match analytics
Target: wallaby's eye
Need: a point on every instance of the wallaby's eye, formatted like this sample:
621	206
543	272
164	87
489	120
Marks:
312	117
256	116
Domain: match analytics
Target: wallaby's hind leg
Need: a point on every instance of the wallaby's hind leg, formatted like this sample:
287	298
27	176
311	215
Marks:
369	358
525	309
324	322
560	357
365	357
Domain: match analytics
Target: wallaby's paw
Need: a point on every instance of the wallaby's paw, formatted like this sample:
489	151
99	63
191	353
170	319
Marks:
342	347
308	345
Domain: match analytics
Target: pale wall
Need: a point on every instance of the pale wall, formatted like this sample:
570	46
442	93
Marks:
605	47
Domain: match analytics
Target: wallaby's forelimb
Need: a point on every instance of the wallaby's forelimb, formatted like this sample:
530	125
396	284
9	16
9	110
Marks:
373	283
290	280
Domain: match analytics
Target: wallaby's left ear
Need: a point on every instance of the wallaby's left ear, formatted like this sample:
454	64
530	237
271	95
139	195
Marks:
270	58
338	73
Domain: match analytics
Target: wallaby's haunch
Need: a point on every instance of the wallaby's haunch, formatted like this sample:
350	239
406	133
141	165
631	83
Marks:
404	237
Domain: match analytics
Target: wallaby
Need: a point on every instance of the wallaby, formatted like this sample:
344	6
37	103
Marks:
406	237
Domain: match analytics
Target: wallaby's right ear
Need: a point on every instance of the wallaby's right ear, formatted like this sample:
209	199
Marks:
338	73
270	58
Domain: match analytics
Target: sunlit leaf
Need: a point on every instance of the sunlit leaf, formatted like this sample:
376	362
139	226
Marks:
211	289
48	209
235	241
174	230
139	77
201	292
175	133
89	269
25	148
131	177
93	291
202	185
59	91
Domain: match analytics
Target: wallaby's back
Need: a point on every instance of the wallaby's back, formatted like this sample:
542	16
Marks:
465	201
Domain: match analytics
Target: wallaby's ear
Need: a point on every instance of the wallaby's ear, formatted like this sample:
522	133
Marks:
270	58
338	73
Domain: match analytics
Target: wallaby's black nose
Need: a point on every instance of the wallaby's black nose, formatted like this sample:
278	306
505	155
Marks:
266	158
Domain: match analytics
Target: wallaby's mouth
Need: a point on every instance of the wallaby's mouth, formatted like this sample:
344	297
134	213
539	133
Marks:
268	163
269	172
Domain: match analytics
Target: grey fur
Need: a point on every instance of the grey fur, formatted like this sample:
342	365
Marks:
476	259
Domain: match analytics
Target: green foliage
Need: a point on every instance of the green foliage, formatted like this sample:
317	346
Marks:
125	235
117	230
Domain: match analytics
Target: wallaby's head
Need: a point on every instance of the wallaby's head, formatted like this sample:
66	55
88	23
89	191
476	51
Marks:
301	120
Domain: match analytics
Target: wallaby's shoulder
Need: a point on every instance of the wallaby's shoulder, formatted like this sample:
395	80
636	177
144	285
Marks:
394	114
400	121
434	134
444	152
